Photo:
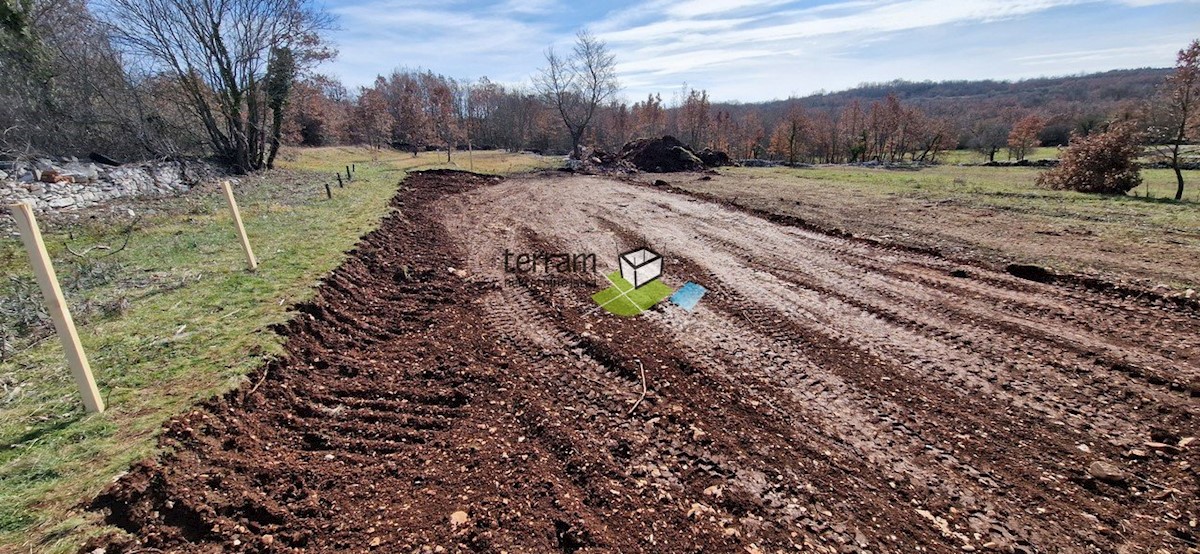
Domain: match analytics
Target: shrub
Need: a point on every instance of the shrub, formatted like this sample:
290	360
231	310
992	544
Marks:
1101	162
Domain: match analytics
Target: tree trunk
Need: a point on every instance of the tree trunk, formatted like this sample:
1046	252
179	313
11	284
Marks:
1179	180
576	150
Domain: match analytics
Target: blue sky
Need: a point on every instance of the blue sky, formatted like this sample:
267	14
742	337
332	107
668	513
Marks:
771	49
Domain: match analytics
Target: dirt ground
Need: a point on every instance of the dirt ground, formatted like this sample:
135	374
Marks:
996	215
826	395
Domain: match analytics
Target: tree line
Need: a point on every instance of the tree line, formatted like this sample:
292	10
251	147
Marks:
236	79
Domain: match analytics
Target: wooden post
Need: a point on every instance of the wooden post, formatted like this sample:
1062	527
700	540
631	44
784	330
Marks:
348	176
251	261
354	168
57	306
328	192
340	185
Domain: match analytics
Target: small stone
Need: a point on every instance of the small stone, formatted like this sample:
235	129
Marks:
329	457
1162	447
1105	471
698	510
375	541
458	518
268	539
1083	448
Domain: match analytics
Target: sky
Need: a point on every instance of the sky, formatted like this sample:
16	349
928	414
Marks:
747	51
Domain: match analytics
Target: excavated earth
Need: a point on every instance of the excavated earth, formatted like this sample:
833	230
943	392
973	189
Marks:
826	395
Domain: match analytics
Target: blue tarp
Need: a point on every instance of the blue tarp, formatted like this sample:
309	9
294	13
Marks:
688	296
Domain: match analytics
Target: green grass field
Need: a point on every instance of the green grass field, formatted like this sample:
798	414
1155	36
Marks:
180	321
996	183
956	157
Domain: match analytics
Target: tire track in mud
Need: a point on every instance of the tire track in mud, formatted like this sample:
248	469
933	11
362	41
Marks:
826	396
1089	344
951	326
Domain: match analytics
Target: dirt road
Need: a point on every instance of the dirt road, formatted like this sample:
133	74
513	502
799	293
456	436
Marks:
825	396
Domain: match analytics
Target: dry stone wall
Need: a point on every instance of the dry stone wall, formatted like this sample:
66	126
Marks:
69	184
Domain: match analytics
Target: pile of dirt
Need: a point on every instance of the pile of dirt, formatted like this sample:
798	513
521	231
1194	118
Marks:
714	158
664	155
655	155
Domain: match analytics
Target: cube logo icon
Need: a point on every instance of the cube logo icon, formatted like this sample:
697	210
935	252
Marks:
636	286
640	266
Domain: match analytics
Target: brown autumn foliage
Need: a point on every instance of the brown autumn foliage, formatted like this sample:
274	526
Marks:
1024	136
1105	163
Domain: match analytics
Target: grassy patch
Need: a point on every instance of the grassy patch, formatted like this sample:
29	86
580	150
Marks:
974	157
186	320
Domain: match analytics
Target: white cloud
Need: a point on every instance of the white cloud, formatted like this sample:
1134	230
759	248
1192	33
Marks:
380	35
754	50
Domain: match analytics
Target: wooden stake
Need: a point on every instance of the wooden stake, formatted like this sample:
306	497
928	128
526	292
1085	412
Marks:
354	168
348	176
328	192
251	261
64	325
340	185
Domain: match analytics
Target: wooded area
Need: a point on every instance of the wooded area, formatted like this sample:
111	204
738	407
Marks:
198	80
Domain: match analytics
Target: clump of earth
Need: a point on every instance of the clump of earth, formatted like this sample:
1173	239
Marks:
654	155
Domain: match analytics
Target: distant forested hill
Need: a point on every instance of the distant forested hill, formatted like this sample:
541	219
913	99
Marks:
1075	102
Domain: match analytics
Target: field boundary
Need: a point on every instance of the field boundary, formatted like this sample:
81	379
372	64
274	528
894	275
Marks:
1049	275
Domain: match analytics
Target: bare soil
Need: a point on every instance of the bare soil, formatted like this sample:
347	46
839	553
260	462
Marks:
827	395
1001	217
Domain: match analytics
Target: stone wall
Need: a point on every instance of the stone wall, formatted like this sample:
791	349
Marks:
68	184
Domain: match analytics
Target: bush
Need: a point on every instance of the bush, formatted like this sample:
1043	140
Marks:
1102	162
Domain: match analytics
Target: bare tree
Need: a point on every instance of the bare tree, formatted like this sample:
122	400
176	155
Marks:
65	90
1177	117
231	58
988	137
577	84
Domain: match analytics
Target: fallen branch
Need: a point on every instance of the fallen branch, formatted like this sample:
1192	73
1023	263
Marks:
642	371
127	233
1151	483
260	381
